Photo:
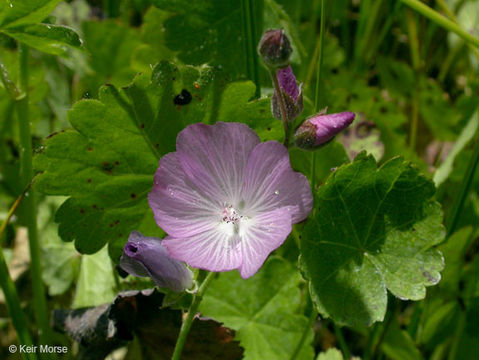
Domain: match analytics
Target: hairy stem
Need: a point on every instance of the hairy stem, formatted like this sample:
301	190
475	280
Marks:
188	321
26	172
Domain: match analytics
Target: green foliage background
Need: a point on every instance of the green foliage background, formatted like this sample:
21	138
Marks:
103	78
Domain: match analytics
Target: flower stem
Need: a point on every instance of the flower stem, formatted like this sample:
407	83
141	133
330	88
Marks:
320	58
282	107
319	66
442	21
188	321
464	188
26	173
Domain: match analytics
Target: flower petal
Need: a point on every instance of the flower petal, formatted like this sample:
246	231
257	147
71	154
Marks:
133	267
179	206
267	233
214	157
270	183
213	250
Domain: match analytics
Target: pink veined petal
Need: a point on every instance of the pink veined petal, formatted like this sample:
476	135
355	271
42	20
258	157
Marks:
270	183
267	233
211	250
214	157
179	206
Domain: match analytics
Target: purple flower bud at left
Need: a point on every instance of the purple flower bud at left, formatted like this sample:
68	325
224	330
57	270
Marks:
320	129
292	95
275	48
147	257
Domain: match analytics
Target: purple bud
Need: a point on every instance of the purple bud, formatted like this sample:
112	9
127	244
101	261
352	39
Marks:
319	129
147	257
292	95
275	49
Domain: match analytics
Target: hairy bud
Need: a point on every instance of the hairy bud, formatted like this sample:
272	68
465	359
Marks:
275	49
320	129
292	95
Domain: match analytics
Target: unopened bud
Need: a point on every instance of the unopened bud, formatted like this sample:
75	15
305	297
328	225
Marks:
320	129
275	49
292	95
147	257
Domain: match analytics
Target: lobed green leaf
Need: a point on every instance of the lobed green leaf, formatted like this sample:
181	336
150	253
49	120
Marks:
262	310
372	230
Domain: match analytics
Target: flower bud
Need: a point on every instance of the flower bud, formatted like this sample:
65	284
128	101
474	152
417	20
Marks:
275	49
319	129
292	95
147	257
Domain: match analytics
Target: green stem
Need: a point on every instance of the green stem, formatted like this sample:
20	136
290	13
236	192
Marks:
368	350
320	57
304	336
457	336
317	94
342	343
416	63
30	207
464	188
313	173
390	316
447	63
282	107
12	300
249	34
452	53
442	21
413	41
193	309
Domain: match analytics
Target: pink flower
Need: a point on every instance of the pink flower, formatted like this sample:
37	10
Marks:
225	199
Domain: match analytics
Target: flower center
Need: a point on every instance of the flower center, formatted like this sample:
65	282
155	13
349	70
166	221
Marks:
230	215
